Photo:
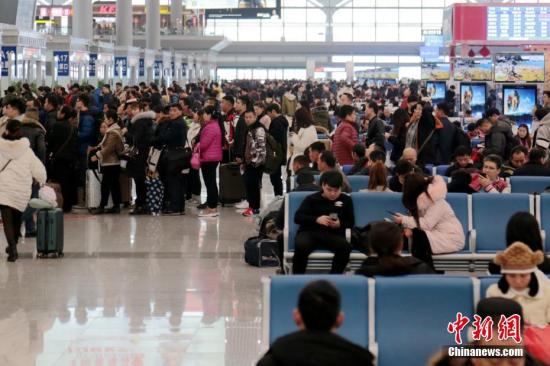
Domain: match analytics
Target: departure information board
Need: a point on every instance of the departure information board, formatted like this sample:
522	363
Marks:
518	23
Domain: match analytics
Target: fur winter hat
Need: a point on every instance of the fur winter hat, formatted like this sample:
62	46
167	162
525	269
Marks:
519	258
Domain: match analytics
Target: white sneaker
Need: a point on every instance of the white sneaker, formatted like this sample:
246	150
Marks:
242	205
209	214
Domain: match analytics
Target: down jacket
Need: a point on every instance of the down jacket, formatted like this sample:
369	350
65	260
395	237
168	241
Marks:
211	142
345	138
437	219
16	179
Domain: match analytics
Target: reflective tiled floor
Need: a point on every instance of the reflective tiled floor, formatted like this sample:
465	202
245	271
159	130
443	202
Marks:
135	291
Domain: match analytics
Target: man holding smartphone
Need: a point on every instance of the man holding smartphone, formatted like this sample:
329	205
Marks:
323	218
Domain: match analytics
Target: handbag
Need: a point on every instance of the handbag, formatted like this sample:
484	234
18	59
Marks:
176	159
153	159
196	158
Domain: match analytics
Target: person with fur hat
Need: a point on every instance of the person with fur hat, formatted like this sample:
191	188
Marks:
519	282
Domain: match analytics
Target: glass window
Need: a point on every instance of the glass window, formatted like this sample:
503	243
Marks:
244	73
387	33
410	16
433	3
364	59
432	18
343	16
364	3
249	30
387	16
294	15
387	59
275	74
387	3
227	29
342	33
272	31
410	3
364	33
294	3
338	75
259	74
409	72
364	16
316	16
316	32
343	58
410	33
227	74
409	59
294	74
295	32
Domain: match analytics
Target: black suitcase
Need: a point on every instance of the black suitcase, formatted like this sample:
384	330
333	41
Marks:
231	184
261	252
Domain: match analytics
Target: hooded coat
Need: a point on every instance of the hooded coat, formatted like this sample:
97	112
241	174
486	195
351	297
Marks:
16	179
290	103
36	134
437	219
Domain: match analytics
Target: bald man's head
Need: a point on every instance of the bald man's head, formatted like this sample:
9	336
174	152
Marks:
410	155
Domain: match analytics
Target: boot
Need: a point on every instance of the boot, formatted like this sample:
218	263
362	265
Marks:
12	253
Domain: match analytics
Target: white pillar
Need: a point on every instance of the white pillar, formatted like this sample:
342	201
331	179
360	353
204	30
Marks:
349	71
152	25
124	23
83	19
310	69
176	10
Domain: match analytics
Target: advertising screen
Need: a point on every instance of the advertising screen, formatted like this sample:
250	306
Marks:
435	71
244	9
511	67
519	101
470	69
436	90
472	97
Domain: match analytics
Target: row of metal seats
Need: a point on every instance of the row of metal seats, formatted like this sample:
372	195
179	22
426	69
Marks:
401	320
483	218
520	184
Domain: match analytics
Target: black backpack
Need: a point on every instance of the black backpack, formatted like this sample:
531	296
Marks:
274	154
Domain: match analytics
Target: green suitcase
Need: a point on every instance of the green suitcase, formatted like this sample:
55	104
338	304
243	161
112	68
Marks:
49	238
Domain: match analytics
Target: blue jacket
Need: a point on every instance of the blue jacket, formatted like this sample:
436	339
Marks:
86	132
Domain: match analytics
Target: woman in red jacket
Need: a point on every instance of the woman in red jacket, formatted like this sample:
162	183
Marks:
211	142
346	136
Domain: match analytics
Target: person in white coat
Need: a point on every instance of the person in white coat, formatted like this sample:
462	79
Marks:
18	167
304	133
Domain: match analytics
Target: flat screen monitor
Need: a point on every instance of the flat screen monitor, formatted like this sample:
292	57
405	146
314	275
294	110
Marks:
472	97
471	69
435	71
436	90
238	9
518	102
525	67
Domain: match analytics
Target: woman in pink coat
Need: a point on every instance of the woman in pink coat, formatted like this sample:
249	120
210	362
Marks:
211	142
432	223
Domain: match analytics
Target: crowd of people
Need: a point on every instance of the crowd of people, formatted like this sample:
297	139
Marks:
291	131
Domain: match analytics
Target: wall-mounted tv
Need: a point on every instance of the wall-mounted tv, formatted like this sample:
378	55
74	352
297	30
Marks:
518	102
525	67
436	90
435	71
472	97
472	69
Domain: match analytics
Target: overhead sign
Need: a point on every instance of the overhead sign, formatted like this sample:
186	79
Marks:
92	67
429	53
514	23
158	68
6	51
62	62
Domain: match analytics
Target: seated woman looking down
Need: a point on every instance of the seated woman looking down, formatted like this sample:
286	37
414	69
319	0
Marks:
386	240
432	222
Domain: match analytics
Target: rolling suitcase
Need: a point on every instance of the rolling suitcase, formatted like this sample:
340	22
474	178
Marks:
154	196
49	238
231	184
261	252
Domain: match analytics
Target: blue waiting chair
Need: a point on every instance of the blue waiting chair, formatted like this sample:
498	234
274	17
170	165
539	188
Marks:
543	217
346	169
281	298
441	169
484	283
411	315
358	182
490	214
374	206
520	184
